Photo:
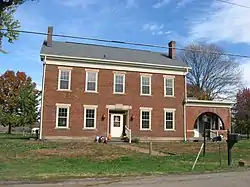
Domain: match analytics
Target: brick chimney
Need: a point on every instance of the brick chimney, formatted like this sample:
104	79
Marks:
49	36
172	49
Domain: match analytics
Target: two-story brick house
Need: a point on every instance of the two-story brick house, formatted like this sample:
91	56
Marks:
91	90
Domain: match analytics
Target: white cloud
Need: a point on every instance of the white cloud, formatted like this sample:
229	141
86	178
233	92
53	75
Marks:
225	22
161	3
155	29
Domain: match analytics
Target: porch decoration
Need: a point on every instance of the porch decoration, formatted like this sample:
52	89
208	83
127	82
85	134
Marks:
103	117
132	117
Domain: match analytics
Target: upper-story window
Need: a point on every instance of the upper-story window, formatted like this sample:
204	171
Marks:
91	81
64	78
168	86
145	84
119	83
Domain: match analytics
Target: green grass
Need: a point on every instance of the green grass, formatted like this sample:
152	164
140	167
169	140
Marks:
22	159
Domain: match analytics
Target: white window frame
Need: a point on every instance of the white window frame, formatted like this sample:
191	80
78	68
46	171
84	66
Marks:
91	107
146	109
86	80
58	105
169	110
59	78
150	83
124	81
167	77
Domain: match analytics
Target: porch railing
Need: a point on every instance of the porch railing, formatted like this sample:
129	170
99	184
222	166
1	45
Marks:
128	132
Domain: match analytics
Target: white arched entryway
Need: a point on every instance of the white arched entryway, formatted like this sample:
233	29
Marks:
211	122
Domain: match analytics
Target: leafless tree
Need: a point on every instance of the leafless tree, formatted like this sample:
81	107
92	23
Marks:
213	75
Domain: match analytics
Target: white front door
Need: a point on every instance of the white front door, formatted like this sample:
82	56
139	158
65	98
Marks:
116	125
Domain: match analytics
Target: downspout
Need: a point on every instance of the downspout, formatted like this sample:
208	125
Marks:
43	83
184	108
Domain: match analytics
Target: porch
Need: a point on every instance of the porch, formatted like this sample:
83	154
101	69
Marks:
213	117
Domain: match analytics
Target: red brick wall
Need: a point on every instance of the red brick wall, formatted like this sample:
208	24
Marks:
193	112
77	98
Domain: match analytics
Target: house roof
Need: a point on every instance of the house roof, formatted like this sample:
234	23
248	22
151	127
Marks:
82	50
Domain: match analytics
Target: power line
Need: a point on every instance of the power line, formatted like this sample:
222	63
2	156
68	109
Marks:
235	4
126	43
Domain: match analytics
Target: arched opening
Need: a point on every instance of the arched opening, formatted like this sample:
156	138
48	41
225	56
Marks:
209	121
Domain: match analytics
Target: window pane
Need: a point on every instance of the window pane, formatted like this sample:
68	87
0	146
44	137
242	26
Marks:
169	116
145	90
90	122
63	112
169	91
119	88
145	124
145	115
64	84
91	86
90	113
169	124
146	81
64	75
119	79
169	83
92	76
62	122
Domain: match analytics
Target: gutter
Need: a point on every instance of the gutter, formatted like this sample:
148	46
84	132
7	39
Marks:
184	107
43	83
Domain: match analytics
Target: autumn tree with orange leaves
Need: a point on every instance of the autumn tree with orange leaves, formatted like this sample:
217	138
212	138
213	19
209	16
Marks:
18	100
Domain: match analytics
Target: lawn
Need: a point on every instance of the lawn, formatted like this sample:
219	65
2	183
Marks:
22	159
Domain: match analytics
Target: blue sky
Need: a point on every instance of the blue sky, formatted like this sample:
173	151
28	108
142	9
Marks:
144	21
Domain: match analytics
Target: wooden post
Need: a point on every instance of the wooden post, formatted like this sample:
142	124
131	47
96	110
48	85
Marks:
220	153
150	148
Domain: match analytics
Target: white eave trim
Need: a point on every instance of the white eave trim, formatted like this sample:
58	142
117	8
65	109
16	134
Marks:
185	69
208	103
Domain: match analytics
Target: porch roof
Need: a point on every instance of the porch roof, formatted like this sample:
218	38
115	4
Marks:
208	103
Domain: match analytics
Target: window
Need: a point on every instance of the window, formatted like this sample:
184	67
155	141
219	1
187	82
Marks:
145	118
168	86
62	116
90	116
145	84
64	79
91	80
119	83
169	119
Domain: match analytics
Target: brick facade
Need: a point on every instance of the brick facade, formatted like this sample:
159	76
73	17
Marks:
77	98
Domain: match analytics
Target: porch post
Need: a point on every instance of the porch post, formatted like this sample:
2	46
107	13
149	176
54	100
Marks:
108	124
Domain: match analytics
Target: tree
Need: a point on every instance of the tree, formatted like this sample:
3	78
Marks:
213	74
28	104
242	111
16	98
7	21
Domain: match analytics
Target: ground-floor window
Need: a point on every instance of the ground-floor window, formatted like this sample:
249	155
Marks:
62	115
169	119
145	118
90	116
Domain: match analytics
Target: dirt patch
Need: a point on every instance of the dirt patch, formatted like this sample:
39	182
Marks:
183	148
142	150
85	150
